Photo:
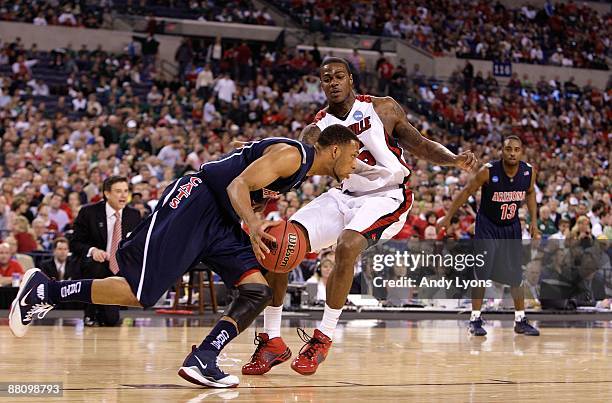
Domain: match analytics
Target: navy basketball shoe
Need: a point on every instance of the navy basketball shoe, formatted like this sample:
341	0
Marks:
475	328
200	367
524	327
32	302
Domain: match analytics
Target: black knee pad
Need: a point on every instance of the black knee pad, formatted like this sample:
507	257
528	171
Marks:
252	299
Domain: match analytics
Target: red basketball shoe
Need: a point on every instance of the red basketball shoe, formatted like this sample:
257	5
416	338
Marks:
312	353
269	352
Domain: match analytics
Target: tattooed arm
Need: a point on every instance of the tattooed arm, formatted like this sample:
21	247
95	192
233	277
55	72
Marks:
412	140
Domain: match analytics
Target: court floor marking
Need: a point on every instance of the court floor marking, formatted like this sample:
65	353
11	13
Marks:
496	382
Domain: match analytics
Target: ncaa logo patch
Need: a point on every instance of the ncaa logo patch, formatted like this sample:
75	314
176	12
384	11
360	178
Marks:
495	179
358	115
526	173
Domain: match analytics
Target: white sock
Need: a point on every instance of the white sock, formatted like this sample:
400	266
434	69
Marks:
329	321
519	315
475	315
272	320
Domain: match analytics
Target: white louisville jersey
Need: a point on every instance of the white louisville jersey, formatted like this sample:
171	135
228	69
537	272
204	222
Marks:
381	163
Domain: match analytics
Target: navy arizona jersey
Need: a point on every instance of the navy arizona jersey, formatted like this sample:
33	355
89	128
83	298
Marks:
219	174
502	196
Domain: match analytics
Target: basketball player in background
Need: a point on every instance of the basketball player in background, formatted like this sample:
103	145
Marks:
373	204
505	184
198	219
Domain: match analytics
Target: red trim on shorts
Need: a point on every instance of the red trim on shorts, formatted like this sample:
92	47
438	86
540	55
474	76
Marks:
393	217
245	274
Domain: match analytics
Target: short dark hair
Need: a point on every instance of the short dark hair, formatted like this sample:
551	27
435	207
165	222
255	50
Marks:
331	59
336	135
429	214
111	180
512	137
599	205
59	240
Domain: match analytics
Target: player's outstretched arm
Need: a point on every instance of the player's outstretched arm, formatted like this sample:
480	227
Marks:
280	161
479	179
420	146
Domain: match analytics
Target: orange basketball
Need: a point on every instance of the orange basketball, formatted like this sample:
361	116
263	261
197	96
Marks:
289	249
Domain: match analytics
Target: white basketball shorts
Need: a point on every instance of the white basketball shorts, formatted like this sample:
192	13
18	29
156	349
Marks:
376	215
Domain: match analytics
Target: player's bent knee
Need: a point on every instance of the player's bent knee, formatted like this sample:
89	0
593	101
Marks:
129	299
350	246
252	299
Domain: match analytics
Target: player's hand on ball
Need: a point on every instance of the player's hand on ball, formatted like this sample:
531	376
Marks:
257	234
467	161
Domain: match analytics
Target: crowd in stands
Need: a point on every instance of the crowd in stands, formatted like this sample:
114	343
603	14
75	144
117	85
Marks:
237	11
69	119
69	13
99	14
564	34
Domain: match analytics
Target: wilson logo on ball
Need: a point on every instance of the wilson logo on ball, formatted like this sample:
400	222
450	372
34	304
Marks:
287	250
292	241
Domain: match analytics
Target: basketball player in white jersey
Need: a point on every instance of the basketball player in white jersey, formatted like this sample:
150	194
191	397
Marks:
373	204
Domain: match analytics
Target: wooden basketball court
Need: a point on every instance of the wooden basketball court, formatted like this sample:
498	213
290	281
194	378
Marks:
370	361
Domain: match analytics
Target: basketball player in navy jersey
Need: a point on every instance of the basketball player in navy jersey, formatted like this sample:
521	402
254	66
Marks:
198	219
505	184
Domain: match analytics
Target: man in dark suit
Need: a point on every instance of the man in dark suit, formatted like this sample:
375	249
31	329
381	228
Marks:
61	266
98	229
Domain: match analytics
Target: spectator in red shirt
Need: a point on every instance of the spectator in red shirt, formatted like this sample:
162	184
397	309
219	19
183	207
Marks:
243	60
406	232
7	265
453	232
385	72
431	233
26	241
430	220
418	224
446	202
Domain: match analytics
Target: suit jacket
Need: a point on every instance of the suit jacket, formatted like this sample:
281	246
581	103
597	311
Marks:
71	270
90	231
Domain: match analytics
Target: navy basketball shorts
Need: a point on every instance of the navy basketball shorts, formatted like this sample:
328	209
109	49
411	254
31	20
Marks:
502	249
187	226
